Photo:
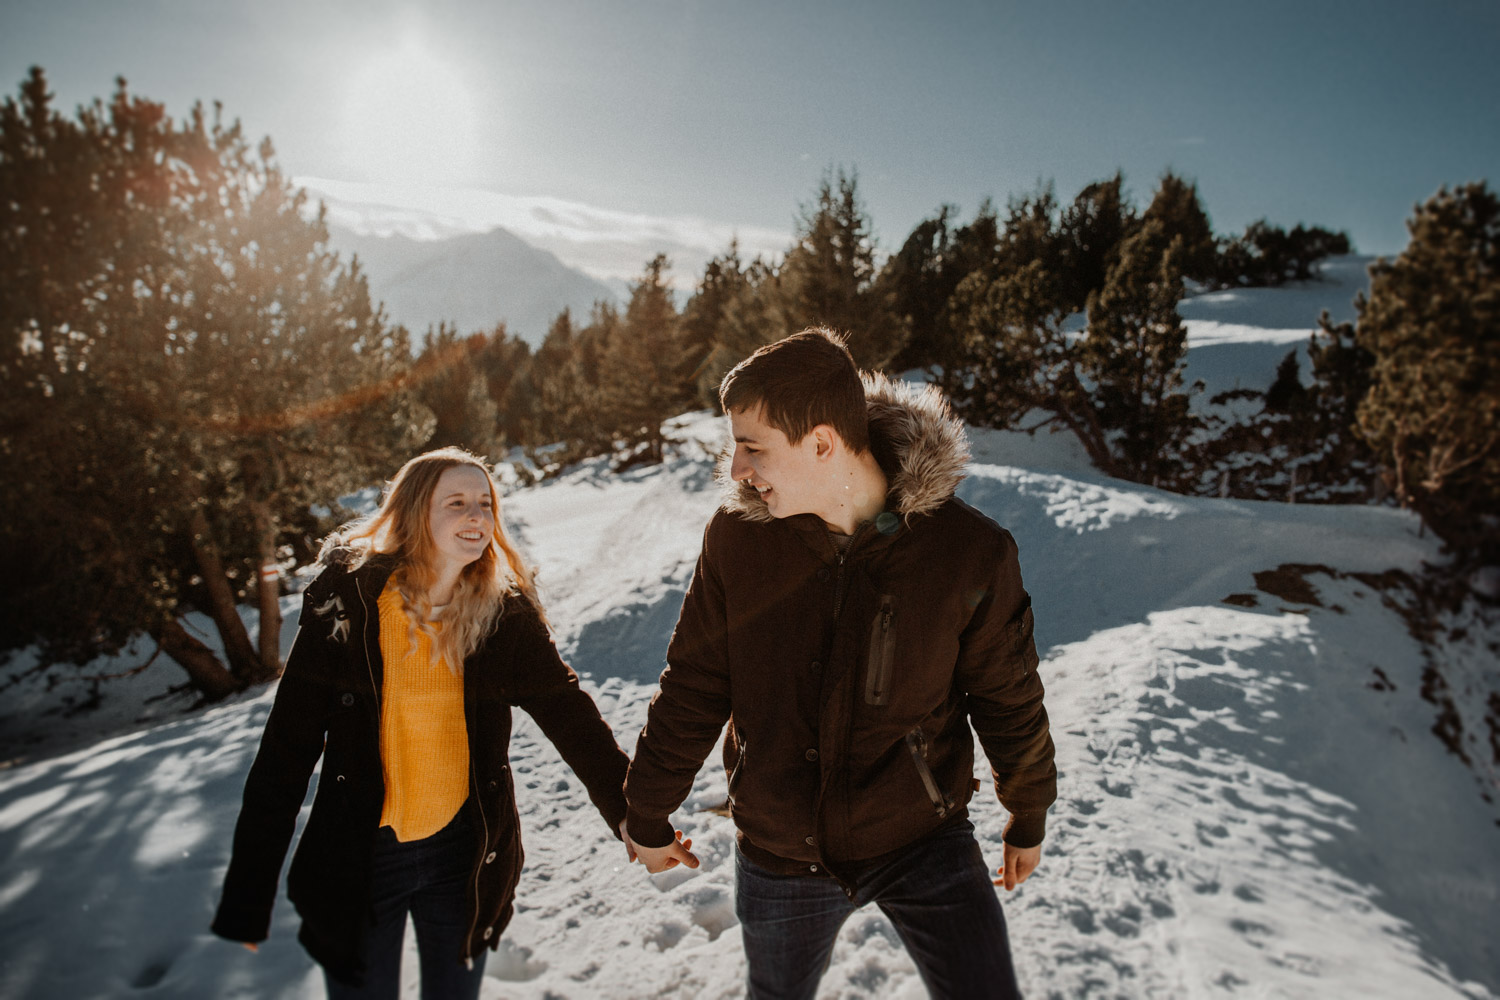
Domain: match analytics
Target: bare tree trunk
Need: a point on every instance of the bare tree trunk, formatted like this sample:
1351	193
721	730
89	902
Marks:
268	591
207	674
244	662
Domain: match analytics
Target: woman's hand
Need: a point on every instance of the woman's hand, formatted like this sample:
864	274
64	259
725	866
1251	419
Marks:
251	945
630	854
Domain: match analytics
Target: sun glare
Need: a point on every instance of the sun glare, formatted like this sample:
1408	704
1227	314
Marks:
409	119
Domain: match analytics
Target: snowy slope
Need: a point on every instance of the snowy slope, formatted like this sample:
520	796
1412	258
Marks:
1252	800
1236	337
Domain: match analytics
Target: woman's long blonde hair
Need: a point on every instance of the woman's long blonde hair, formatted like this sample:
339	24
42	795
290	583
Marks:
402	527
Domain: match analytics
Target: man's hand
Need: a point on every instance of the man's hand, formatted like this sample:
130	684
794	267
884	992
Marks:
659	859
1020	862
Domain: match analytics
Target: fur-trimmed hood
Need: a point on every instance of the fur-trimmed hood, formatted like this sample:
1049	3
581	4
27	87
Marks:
915	437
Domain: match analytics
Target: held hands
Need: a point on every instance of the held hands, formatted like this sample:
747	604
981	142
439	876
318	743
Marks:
659	859
1020	862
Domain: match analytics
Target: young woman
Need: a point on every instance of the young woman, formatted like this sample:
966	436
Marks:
416	639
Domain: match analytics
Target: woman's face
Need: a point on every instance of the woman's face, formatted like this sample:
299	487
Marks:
462	516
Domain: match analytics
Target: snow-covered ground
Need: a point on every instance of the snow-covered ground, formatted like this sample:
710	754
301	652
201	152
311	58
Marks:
1252	797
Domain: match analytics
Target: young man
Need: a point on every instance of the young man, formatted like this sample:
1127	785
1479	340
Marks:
850	618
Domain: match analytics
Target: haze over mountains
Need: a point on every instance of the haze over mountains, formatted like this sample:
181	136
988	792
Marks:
471	280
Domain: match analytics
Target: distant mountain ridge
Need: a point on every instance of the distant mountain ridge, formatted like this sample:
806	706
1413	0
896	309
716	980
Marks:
472	280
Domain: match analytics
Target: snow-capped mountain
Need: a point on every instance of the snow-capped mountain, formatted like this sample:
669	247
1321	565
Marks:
472	280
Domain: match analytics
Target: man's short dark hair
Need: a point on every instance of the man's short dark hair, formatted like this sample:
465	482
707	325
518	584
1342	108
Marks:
800	382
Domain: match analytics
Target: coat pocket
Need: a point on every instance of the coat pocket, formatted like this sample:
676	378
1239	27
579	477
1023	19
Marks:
881	661
916	742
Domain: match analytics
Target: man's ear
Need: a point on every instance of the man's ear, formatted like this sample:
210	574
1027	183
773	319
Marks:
825	440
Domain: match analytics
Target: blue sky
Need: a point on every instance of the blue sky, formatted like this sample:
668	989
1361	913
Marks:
1339	114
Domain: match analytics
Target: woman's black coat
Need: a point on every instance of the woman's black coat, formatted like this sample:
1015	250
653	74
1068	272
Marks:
328	704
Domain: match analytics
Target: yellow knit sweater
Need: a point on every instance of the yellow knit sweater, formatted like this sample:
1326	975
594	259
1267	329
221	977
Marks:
424	747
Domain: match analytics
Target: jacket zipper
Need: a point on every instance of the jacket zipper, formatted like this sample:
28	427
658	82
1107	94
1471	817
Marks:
917	744
484	849
838	580
364	637
882	653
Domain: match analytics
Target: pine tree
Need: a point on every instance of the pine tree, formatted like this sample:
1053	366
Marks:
1089	235
705	324
1177	207
450	380
643	381
1019	359
1432	325
1268	255
571	420
828	276
754	314
193	372
505	363
922	277
1134	354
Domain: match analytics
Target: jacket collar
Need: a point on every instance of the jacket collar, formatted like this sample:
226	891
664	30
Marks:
916	439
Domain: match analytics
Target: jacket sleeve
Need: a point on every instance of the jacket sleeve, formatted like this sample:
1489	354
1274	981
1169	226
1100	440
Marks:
689	709
290	747
997	669
547	689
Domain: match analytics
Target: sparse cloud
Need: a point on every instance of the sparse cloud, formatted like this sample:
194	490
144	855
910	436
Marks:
609	245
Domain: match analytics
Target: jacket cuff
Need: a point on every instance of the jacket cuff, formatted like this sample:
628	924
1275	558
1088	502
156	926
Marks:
237	924
1026	829
649	831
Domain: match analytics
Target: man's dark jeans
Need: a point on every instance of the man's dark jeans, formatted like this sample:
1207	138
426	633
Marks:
937	893
426	878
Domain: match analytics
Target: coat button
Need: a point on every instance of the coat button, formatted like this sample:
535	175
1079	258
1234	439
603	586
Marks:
340	778
488	931
490	857
811	755
346	699
494	785
812	868
809	842
823	574
816	666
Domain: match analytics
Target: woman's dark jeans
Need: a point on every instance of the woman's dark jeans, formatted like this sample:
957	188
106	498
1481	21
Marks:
937	893
427	878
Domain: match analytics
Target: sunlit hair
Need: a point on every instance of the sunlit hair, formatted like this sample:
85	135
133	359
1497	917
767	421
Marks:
800	382
402	527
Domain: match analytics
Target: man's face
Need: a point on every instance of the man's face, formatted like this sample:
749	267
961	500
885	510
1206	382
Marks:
787	476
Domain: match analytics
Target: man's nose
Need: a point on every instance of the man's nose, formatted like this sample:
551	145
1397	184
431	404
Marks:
739	468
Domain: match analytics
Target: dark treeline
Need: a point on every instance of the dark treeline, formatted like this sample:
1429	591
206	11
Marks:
191	378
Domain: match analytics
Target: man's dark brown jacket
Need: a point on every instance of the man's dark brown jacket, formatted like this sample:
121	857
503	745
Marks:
850	680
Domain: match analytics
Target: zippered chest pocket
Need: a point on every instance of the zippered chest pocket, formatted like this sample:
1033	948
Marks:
880	664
